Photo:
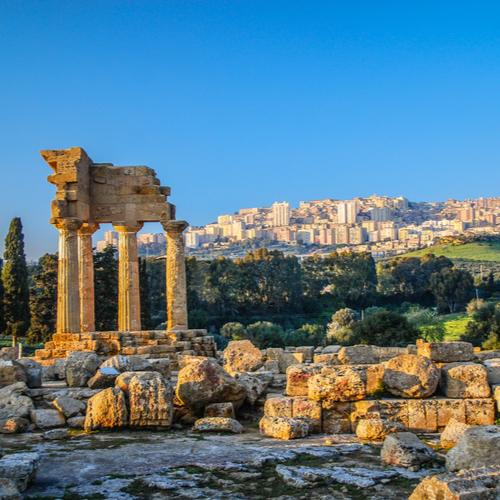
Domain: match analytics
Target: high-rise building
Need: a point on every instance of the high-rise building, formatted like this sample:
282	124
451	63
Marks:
380	214
347	212
281	213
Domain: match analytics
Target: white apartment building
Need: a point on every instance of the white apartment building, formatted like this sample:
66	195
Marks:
281	213
347	212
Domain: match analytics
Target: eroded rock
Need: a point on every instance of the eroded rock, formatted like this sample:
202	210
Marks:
106	410
242	356
80	367
411	376
218	424
404	449
465	380
283	428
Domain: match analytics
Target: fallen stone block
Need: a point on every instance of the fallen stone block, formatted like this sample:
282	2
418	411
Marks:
337	384
47	419
453	431
13	425
376	429
479	411
336	417
468	484
307	410
404	449
69	407
493	369
14	401
242	356
80	367
477	447
411	376
33	372
255	384
150	401
297	378
105	376
11	372
106	410
218	424
283	428
278	407
465	380
359	355
446	352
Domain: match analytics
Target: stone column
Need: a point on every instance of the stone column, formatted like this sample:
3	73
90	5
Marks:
177	316
129	301
86	263
68	287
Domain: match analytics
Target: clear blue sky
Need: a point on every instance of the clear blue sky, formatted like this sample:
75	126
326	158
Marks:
240	103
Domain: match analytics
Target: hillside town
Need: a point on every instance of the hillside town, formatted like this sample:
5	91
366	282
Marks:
382	225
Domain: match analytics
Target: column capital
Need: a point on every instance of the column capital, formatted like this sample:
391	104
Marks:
68	224
175	227
122	227
88	228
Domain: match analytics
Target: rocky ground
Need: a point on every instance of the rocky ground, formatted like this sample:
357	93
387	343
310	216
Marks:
181	464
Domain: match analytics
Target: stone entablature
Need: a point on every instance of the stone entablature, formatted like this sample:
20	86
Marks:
89	194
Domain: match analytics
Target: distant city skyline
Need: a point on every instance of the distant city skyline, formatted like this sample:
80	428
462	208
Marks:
245	103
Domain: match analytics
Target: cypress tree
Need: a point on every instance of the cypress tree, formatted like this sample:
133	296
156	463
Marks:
106	289
2	322
15	282
43	299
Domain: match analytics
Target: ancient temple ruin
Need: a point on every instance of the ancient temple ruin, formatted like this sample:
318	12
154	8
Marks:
89	194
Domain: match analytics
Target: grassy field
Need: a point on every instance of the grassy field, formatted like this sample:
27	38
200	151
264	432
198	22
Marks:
479	250
454	325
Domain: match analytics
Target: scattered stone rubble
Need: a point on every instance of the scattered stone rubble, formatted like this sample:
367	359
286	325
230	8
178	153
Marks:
376	394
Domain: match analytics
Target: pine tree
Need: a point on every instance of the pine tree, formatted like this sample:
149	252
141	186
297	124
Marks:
15	282
43	299
106	289
2	322
145	295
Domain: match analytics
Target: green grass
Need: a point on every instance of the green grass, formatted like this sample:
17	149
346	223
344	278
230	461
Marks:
478	250
454	325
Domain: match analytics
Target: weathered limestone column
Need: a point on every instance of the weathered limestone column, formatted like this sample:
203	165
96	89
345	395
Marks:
177	316
86	263
68	287
129	301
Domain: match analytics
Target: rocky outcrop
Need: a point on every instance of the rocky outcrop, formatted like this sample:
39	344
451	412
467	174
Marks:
465	380
482	483
477	447
106	410
80	367
20	468
11	372
283	428
218	424
150	401
205	382
242	356
411	376
404	449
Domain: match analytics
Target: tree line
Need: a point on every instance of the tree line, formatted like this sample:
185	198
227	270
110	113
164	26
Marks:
251	293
